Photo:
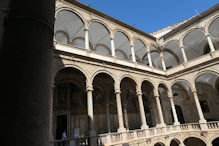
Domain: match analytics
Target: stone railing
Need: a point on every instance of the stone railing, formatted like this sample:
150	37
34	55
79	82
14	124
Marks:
125	137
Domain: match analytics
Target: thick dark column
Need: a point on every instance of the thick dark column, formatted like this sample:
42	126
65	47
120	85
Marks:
26	72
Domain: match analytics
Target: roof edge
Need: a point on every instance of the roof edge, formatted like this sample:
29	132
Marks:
74	2
192	21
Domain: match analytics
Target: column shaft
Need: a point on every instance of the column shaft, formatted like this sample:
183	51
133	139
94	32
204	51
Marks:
183	54
160	113
200	113
86	40
162	61
119	111
210	43
90	111
149	59
142	112
176	122
133	53
26	77
113	53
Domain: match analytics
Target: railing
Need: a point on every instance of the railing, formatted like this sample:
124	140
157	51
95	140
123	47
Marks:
113	138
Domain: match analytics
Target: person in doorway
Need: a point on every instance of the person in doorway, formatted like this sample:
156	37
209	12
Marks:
64	137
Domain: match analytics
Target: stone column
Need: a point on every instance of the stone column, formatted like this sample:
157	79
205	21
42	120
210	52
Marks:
210	43
108	114
149	59
200	113
126	116
90	110
176	122
26	56
142	112
113	53
159	109
162	61
133	53
183	54
119	110
86	39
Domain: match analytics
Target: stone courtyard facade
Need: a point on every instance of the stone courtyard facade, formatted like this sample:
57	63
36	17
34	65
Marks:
116	85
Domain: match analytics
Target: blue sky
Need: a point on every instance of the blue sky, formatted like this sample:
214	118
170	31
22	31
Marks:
150	15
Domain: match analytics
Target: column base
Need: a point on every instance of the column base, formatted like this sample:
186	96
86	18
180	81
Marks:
161	125
202	121
144	127
176	123
120	130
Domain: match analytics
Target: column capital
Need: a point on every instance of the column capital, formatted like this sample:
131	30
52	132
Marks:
131	45
207	34
156	94
117	91
112	37
89	88
194	91
139	92
181	46
86	29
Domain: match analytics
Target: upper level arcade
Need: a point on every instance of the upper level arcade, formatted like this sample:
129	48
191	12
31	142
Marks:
81	30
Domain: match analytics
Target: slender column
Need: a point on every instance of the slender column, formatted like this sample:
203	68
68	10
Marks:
159	109
176	122
126	116
200	113
133	53
142	112
119	110
112	46
86	39
108	114
149	59
162	61
183	54
210	43
90	110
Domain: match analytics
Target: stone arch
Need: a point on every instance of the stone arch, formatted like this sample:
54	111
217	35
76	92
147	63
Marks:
192	30
183	80
101	71
124	32
147	80
64	33
210	22
194	136
142	40
73	11
174	139
128	76
212	138
101	22
203	72
159	141
70	66
163	83
171	41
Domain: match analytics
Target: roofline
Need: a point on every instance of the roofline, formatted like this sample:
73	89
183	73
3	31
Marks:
192	21
74	2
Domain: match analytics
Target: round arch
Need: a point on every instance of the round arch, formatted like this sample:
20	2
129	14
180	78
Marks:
192	30
101	22
128	76
123	32
207	26
194	136
171	41
147	80
73	11
164	84
102	71
142	40
176	141
203	72
59	68
181	80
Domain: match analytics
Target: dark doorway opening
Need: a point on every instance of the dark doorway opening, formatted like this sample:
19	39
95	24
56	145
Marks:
61	125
